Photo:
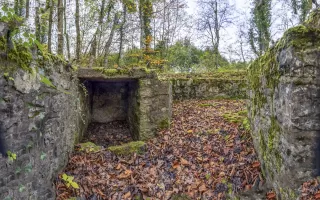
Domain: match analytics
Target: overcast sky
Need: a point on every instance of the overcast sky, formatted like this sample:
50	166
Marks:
229	34
280	12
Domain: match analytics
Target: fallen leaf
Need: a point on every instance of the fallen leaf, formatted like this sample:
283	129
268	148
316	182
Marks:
118	166
184	161
127	195
256	164
317	196
202	188
271	195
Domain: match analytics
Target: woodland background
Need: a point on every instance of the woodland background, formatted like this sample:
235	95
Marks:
153	33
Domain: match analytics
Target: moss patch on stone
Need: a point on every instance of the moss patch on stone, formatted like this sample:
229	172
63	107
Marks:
246	124
263	79
129	148
225	75
89	147
267	67
123	71
164	124
21	57
237	117
208	88
111	72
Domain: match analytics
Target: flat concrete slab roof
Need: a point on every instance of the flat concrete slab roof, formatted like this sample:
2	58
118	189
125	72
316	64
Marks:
104	74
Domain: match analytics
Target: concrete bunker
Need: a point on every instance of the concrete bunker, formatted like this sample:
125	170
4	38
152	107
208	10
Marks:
131	105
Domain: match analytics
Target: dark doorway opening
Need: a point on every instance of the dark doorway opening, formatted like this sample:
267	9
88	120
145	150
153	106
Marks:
113	107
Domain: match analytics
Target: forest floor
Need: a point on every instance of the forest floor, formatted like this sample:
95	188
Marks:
205	154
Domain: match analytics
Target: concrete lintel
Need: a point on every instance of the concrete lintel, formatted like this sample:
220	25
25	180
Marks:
103	74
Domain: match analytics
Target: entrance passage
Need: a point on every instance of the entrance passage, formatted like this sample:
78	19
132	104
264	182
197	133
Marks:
113	105
109	134
131	101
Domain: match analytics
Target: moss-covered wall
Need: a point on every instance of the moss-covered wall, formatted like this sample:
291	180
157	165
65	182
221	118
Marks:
155	106
43	112
133	110
207	88
284	95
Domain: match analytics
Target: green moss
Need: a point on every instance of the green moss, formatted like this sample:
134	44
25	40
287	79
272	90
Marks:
129	148
111	72
43	95
264	67
76	138
34	114
264	72
287	193
246	124
216	75
89	147
237	117
165	123
269	152
279	161
298	82
292	194
262	144
21	57
123	71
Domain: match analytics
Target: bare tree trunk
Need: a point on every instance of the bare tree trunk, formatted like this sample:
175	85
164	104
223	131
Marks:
154	33
109	8
65	30
78	40
164	20
109	41
93	51
21	7
98	30
176	21
60	27
122	32
51	5
242	53
16	7
27	8
37	22
141	20
168	29
217	30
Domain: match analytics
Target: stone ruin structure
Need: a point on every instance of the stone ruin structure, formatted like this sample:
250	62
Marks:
136	96
43	113
284	108
43	116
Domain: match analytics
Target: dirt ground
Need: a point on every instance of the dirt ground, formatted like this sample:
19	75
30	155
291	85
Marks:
205	154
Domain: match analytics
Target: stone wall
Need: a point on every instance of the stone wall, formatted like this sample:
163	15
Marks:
284	108
133	110
41	123
155	108
208	88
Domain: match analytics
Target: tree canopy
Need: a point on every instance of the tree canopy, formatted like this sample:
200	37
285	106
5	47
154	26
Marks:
155	34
